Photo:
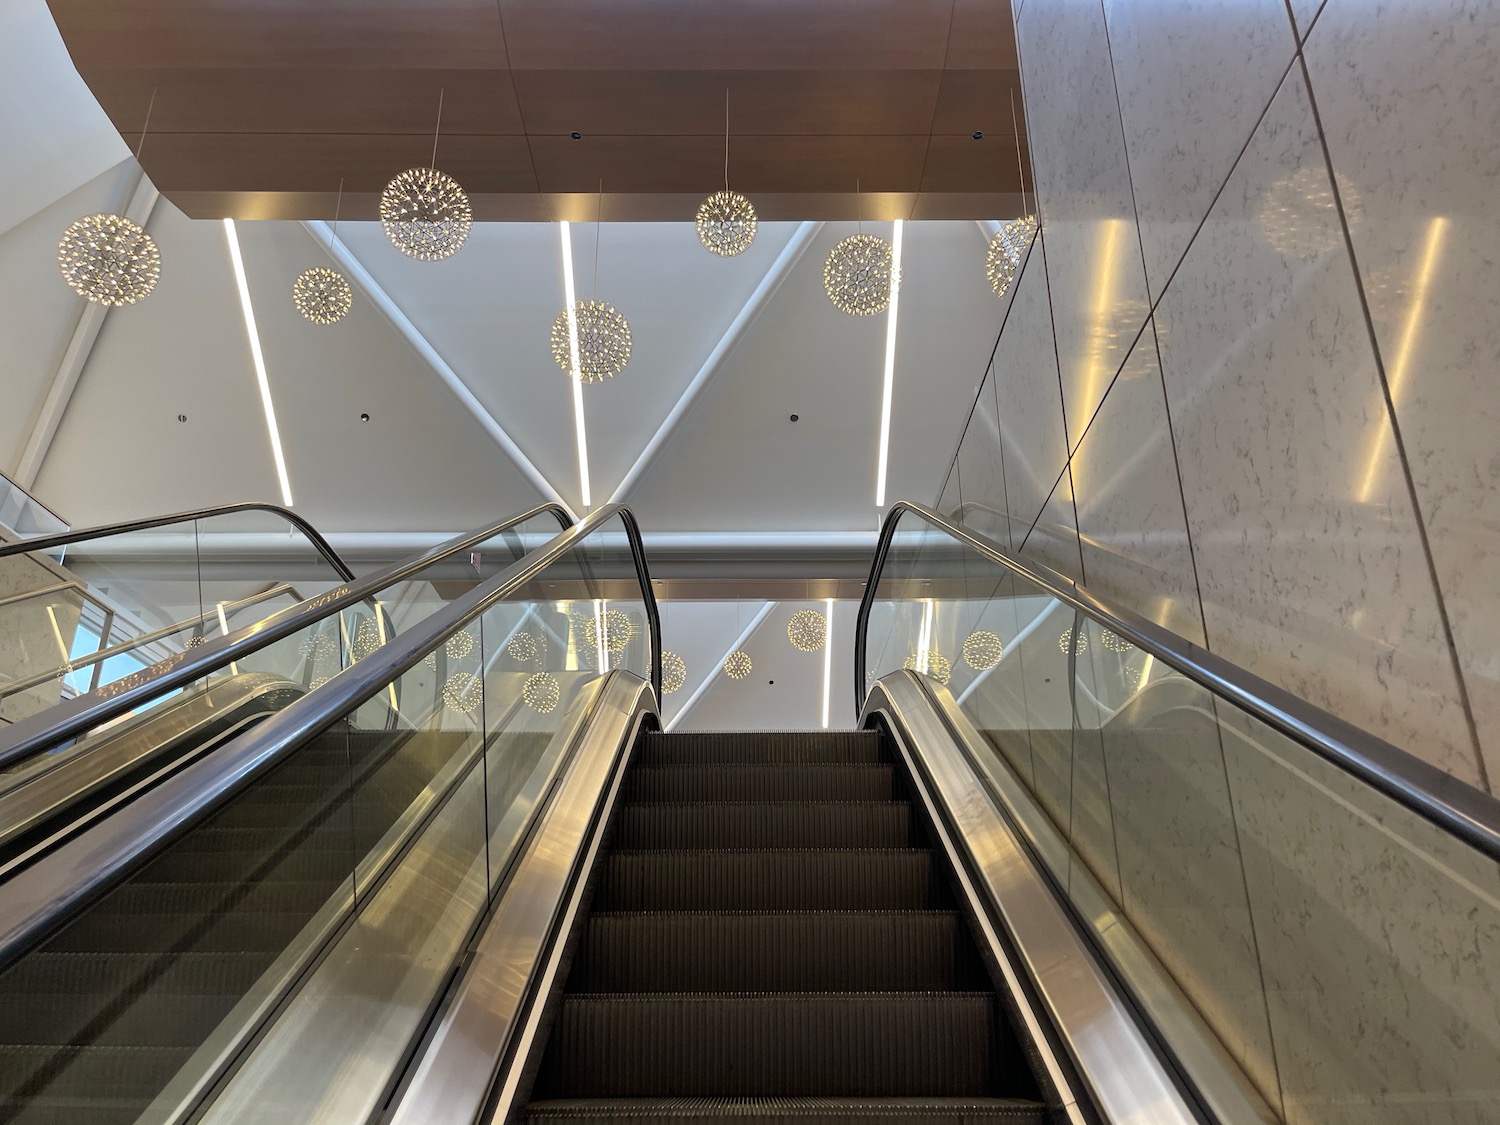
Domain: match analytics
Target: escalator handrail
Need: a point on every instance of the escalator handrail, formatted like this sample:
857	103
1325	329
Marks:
1435	795
84	712
37	898
107	531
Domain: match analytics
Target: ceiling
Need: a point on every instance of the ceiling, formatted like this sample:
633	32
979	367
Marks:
262	107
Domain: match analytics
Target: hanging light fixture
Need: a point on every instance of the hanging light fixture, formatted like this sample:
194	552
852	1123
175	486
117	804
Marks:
463	692
737	664
1002	261
541	692
108	259
1069	641
318	646
858	275
618	631
807	630
673	672
983	650
931	663
320	294
591	339
425	213
522	648
726	219
458	646
366	638
1113	641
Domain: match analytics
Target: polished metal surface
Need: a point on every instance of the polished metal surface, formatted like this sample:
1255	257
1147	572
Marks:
42	787
1112	1055
495	1010
36	898
1437	796
85	712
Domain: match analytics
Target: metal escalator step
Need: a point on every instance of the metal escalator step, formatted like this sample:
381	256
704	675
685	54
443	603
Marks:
771	879
759	783
760	824
781	951
301	862
243	931
83	1077
214	839
147	897
799	1044
114	974
757	747
790	1111
152	1020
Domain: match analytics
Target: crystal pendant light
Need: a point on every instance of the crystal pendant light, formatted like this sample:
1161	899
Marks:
591	339
807	630
726	219
320	294
425	213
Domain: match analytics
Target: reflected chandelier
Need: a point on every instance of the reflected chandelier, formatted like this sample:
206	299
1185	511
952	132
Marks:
931	663
463	692
618	631
673	672
542	692
983	650
1068	641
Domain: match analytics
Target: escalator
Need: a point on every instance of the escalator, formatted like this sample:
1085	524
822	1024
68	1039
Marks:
1089	874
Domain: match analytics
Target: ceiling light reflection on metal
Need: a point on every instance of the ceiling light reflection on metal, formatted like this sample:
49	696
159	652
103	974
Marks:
109	260
726	223
322	295
807	630
603	336
426	214
673	672
859	275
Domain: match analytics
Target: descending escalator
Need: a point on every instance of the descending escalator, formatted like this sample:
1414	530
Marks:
773	938
98	1019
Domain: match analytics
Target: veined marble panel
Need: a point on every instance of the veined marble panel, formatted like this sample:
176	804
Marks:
1027	398
981	471
1131	525
1098	288
1193	77
1379	937
1275	395
1053	540
1409	94
1304	14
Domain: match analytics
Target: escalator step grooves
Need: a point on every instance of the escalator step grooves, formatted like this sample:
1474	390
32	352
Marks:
745	951
799	1044
790	1111
759	783
659	749
766	880
752	824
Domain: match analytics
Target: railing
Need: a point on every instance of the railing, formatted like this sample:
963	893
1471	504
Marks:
307	642
1328	903
488	719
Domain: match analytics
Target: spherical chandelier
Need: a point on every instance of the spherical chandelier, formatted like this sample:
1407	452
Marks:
541	692
522	648
1003	259
322	295
458	646
859	275
983	650
618	631
737	664
673	672
931	663
366	638
726	223
1113	641
317	646
426	214
1069	641
604	341
109	260
463	692
807	630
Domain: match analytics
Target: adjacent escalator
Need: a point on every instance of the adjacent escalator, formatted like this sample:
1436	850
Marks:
772	938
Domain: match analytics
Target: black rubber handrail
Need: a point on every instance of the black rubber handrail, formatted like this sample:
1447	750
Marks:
84	712
1433	794
102	853
106	531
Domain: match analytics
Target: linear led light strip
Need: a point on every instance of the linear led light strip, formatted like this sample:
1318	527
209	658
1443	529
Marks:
570	297
258	359
827	660
890	365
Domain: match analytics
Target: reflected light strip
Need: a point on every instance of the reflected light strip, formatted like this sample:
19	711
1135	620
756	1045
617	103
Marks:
67	657
601	636
1107	281
890	365
570	296
827	660
234	668
924	638
1398	369
258	359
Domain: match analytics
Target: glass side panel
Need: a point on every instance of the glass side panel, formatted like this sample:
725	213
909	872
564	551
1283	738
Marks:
1345	952
388	831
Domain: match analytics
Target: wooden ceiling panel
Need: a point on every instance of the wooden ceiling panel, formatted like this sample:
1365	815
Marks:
960	164
984	36
688	102
977	99
727	34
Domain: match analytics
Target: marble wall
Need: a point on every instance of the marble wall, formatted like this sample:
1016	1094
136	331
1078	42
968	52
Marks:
1246	382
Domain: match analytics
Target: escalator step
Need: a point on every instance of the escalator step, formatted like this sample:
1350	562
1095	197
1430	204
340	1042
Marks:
288	896
145	1021
791	1111
755	747
857	879
758	1045
759	783
215	839
241	932
746	951
47	973
759	824
84	1075
179	866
